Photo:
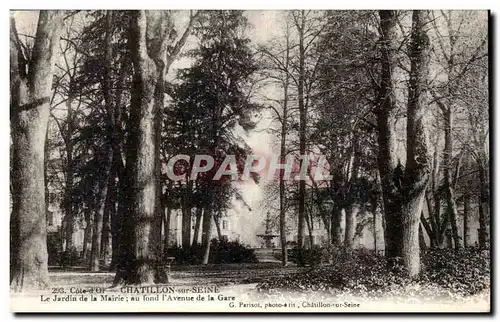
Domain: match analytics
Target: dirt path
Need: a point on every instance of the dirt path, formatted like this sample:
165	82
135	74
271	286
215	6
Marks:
220	274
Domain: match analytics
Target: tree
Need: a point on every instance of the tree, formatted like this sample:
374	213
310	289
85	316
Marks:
31	81
280	71
385	112
212	100
418	164
344	130
148	35
107	159
404	186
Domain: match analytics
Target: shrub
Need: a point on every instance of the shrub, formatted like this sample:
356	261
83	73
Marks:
221	251
224	251
69	257
307	257
186	256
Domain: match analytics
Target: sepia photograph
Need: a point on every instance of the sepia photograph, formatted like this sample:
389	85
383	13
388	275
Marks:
232	161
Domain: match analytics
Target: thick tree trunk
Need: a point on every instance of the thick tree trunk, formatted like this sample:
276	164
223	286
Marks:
206	232
350	224
30	97
139	262
418	160
386	116
196	234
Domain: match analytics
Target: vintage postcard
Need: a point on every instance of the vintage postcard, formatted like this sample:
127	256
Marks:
250	161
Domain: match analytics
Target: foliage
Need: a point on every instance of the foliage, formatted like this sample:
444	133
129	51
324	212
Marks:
69	257
445	273
221	252
306	257
224	251
465	271
186	256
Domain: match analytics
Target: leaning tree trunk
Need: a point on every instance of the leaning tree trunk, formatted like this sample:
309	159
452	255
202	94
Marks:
30	86
386	117
139	262
418	160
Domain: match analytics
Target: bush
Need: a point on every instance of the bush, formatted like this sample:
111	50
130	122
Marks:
224	251
186	256
307	257
69	257
444	272
221	251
